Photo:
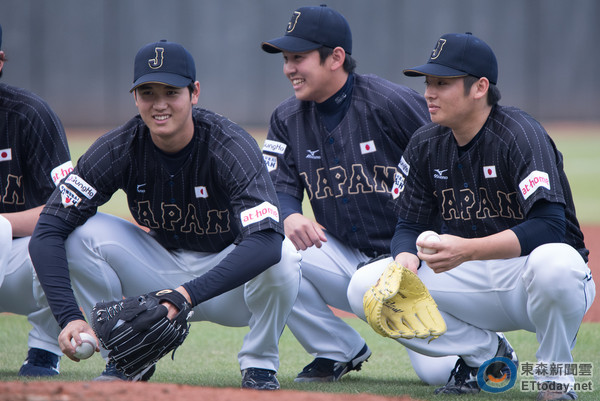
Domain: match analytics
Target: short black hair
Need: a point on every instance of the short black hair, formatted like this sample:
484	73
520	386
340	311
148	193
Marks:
191	87
493	94
349	62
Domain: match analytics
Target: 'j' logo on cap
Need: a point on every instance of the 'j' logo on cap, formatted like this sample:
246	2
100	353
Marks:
293	21
438	49
157	61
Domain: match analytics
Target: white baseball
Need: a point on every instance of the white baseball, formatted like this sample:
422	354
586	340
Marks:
87	347
428	236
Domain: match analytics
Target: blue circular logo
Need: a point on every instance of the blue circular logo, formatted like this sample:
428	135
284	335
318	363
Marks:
497	375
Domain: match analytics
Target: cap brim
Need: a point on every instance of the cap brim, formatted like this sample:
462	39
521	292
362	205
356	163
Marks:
290	44
164	78
434	70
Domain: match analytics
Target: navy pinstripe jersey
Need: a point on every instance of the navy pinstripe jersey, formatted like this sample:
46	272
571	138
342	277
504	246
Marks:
511	164
34	154
222	193
347	173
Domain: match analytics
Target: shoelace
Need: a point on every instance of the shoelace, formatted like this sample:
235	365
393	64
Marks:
260	375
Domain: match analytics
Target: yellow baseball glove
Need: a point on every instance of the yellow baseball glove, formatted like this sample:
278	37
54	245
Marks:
400	305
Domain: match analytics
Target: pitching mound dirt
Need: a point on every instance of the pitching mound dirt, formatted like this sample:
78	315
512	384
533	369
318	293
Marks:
121	391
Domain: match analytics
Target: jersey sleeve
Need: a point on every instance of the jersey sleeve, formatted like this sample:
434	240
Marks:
48	157
536	163
246	180
279	158
34	150
413	197
94	180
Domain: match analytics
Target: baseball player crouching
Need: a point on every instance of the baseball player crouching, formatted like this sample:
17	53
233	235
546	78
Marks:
197	182
511	256
34	158
338	139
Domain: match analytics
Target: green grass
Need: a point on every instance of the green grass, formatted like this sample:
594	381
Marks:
208	357
581	157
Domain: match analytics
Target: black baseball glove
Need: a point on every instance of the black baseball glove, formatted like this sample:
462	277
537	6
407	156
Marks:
138	333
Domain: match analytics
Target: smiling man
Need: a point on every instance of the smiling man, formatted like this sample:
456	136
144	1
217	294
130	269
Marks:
338	139
197	183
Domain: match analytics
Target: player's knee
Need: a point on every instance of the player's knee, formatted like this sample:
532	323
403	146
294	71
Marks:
433	371
356	292
288	267
554	269
5	234
94	227
361	281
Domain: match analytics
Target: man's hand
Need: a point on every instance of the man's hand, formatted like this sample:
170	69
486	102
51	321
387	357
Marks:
172	309
303	232
72	330
408	260
453	251
450	252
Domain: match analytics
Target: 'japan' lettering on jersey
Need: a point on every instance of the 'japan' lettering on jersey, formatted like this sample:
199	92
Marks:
222	192
34	154
348	173
491	184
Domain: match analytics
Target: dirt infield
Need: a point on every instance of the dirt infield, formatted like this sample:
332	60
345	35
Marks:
90	391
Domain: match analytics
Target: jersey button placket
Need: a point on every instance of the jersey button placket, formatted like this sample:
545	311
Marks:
171	184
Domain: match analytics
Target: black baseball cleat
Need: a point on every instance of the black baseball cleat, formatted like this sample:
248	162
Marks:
328	370
463	378
497	369
110	373
260	379
40	362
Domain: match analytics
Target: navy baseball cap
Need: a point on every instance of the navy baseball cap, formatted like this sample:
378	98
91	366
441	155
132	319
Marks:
165	63
311	28
458	55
